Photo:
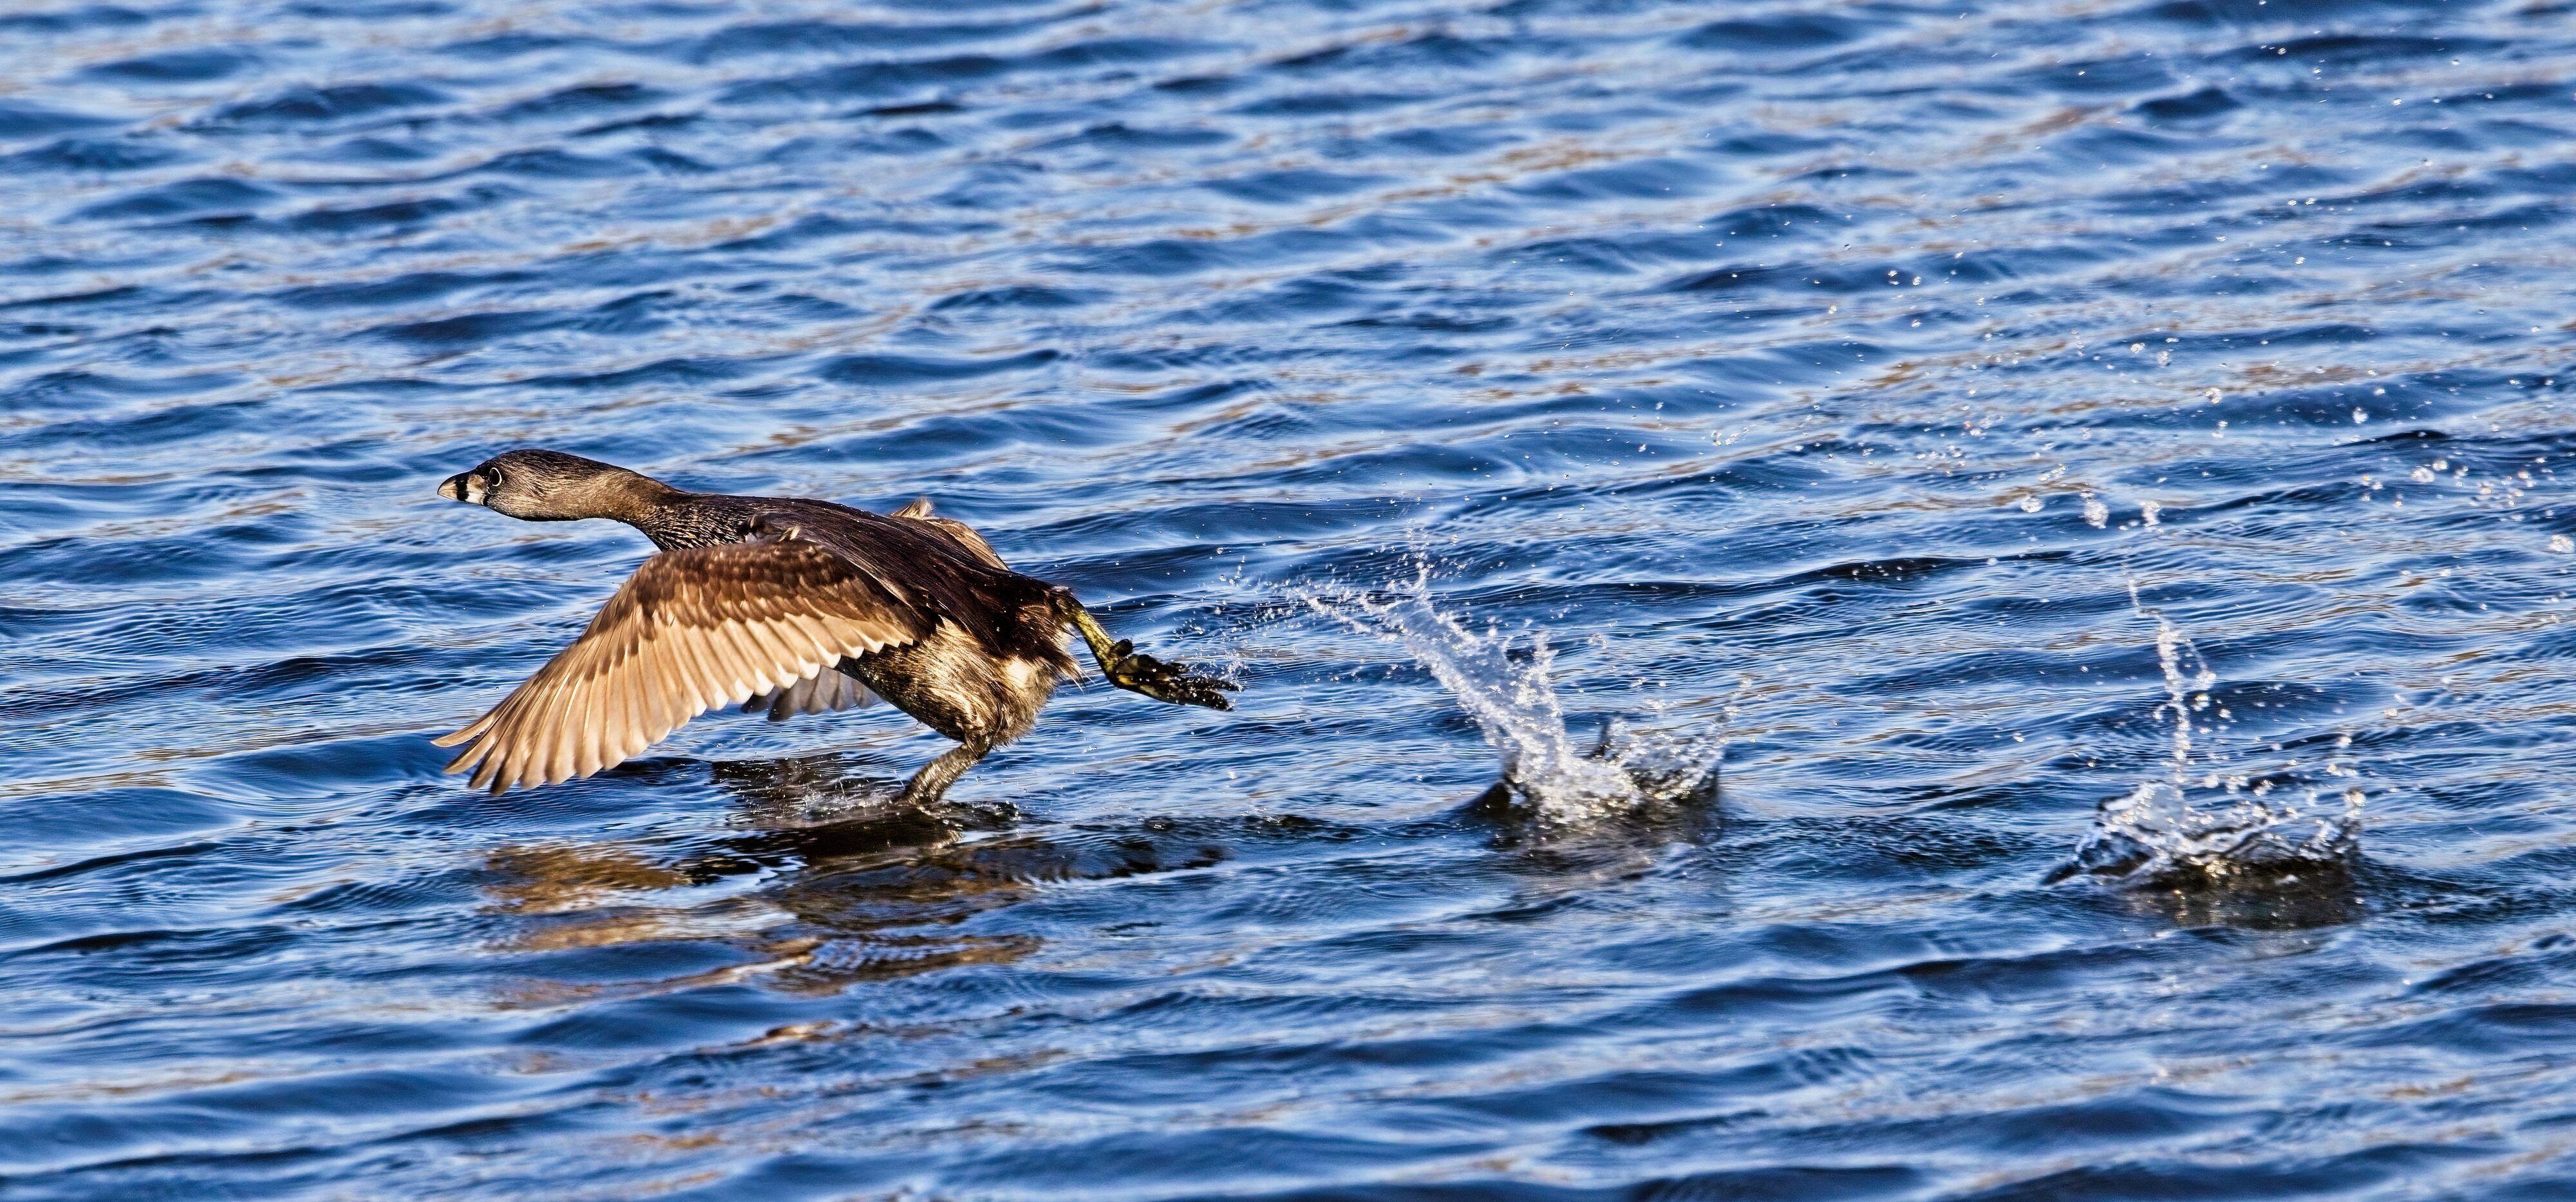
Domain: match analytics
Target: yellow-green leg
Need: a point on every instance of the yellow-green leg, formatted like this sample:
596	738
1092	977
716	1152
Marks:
1136	672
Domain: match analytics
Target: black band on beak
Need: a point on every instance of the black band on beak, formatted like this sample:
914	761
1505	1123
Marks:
462	487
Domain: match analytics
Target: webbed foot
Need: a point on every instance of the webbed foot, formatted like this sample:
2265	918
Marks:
1137	672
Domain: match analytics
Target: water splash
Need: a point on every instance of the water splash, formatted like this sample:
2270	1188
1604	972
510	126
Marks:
1506	683
2158	834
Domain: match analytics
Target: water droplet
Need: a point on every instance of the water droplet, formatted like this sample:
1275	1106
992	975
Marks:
2095	512
2031	503
2561	543
2149	510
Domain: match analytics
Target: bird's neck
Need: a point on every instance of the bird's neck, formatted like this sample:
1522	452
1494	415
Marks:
674	519
640	501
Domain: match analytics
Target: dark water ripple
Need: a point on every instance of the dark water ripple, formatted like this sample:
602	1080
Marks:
1764	355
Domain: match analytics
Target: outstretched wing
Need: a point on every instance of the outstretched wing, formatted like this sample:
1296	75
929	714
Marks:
692	630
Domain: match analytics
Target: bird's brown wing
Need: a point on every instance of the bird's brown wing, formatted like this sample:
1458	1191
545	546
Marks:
692	630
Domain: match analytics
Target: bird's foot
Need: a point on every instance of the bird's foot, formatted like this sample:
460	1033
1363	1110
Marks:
1137	672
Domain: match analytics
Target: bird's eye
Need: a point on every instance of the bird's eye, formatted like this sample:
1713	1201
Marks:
495	474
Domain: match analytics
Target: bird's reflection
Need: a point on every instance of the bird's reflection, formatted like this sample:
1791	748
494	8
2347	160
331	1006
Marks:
850	885
823	880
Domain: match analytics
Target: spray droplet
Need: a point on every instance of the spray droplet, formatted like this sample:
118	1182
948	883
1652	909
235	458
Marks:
2561	543
2359	415
2149	511
2030	504
2095	512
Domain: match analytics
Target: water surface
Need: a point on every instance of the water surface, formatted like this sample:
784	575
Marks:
1934	410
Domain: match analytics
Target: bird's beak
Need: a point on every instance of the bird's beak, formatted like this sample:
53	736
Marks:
463	486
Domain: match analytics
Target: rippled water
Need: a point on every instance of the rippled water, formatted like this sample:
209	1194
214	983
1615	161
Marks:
1885	394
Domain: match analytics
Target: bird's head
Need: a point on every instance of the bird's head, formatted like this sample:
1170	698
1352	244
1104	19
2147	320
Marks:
548	486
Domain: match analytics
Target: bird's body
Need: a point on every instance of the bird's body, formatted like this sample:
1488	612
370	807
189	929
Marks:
990	646
789	605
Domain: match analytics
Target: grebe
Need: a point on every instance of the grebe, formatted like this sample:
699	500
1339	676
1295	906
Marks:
790	605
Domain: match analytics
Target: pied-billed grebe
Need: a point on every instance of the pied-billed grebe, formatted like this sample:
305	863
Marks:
791	605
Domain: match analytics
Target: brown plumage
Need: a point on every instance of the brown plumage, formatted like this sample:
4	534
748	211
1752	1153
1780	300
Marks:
789	605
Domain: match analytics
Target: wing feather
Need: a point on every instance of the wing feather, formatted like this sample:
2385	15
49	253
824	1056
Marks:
595	732
824	692
817	632
728	674
520	758
692	630
565	762
620	738
738	673
537	755
548	765
652	665
786	662
781	664
739	676
807	630
837	692
669	687
691	664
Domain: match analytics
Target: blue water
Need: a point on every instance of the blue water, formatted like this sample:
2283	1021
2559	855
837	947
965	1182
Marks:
2090	471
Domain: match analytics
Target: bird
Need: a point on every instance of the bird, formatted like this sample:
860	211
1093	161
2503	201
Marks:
791	605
